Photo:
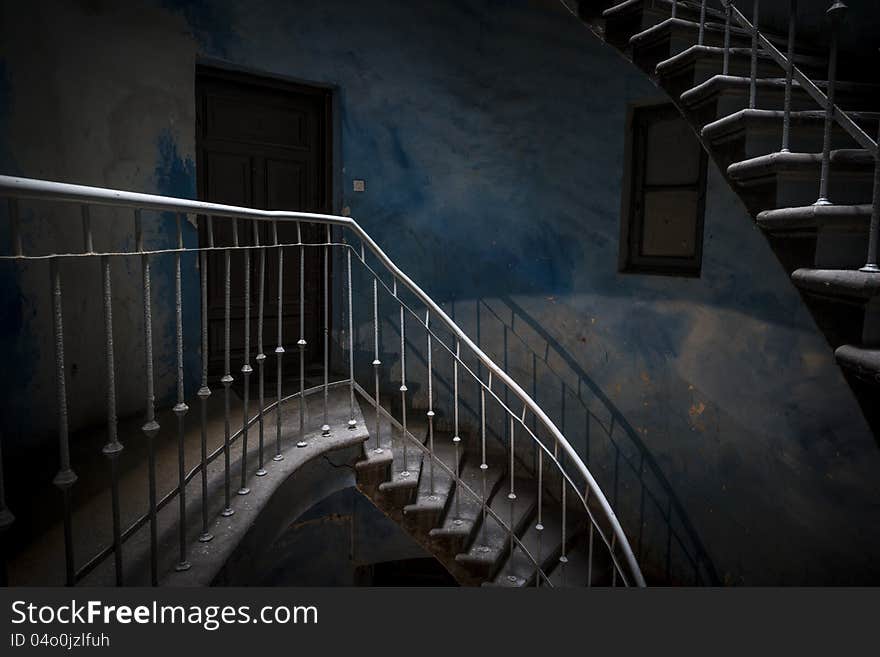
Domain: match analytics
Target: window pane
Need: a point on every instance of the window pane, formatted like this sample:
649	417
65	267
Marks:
672	153
670	223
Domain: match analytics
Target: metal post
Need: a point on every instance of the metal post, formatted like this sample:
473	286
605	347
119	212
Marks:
150	428
789	72
403	389
456	439
376	362
483	547
325	428
871	265
512	494
279	350
113	447
430	413
301	343
246	371
728	9
563	559
701	35
352	423
203	394
753	80
66	477
539	527
227	382
261	355
674	8
88	244
180	408
836	12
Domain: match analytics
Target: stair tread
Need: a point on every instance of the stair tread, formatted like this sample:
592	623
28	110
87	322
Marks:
405	475
719	83
814	216
682	60
864	360
467	506
846	159
657	31
426	499
738	121
543	545
490	541
838	282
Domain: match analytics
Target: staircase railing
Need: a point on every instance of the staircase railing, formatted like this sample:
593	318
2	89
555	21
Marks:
761	42
343	239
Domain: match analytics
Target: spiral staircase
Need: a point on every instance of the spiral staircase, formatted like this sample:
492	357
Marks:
789	125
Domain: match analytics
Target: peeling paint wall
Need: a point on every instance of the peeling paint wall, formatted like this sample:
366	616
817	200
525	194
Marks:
491	137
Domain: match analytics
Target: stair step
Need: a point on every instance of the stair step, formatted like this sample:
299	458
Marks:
722	95
780	180
430	504
750	133
675	35
861	361
844	283
464	509
544	545
491	540
576	570
696	64
814	217
626	18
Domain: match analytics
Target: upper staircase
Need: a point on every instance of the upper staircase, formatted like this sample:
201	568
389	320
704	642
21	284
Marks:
791	127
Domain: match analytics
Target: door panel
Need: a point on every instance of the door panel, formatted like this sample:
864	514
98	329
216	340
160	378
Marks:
262	144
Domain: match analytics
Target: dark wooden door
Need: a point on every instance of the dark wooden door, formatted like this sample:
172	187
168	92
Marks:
264	144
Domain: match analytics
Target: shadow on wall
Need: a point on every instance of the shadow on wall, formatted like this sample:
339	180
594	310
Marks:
663	537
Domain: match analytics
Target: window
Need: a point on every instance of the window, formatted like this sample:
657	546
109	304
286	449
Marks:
663	194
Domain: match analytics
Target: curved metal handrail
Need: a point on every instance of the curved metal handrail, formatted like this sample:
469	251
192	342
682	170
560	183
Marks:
18	187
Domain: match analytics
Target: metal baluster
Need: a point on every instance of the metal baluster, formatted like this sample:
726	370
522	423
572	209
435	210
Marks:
88	244
430	412
261	355
836	12
204	391
150	428
226	381
674	8
483	547
180	408
728	9
279	350
456	439
871	266
246	371
702	33
753	80
563	559
511	496
789	72
590	558
325	428
352	423
66	477
376	362
6	521
613	567
405	472
113	447
539	527
301	343
15	227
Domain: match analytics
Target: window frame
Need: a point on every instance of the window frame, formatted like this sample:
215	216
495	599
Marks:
631	260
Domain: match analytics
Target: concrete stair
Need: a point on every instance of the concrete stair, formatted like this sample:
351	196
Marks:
823	246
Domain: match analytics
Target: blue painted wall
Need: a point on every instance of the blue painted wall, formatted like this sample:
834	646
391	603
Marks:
491	138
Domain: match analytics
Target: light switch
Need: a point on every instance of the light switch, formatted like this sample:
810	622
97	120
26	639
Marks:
360	185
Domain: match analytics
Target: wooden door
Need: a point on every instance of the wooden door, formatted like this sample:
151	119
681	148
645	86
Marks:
264	144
